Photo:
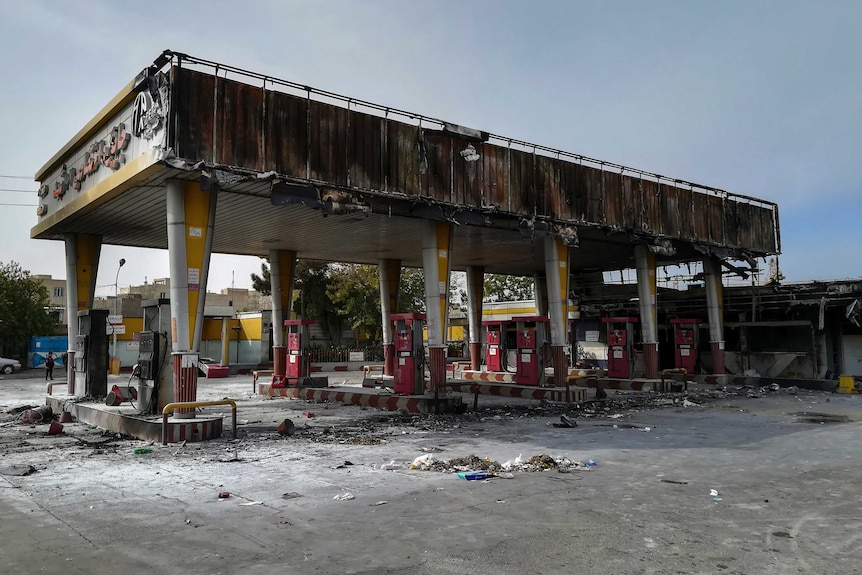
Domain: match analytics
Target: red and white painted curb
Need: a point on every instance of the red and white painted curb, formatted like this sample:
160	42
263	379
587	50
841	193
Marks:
191	430
364	399
520	391
495	376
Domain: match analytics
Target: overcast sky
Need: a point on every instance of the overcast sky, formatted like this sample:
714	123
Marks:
759	98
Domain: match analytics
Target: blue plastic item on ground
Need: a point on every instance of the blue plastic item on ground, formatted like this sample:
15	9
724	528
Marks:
474	475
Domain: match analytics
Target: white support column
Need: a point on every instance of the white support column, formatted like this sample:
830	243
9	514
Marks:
71	309
645	262
436	245
282	267
557	278
475	289
390	280
715	313
176	216
275	291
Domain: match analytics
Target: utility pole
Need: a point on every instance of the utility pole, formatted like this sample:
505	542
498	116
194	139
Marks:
116	306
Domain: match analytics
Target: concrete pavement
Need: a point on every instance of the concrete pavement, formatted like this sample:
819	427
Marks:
788	491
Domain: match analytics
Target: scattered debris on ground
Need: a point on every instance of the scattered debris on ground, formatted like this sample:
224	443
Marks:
566	422
821	418
286	427
17	470
535	463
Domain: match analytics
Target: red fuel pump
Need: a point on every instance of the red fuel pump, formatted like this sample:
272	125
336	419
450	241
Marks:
495	345
409	376
530	369
685	343
620	345
298	340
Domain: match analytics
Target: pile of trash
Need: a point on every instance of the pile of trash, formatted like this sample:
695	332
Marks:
547	463
429	462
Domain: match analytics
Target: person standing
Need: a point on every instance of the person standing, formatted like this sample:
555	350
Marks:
49	366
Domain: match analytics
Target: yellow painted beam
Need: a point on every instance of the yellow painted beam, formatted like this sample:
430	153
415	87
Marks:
197	205
134	172
87	249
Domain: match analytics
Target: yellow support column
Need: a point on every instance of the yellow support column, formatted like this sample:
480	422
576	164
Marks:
557	282
82	266
436	249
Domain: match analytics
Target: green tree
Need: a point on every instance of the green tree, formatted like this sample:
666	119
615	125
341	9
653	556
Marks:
262	283
355	291
23	314
499	287
411	291
312	297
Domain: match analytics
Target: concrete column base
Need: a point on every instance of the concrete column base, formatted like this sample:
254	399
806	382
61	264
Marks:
650	360
717	348
185	381
475	355
561	364
437	367
389	359
279	360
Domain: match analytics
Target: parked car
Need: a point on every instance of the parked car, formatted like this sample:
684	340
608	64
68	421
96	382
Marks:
7	365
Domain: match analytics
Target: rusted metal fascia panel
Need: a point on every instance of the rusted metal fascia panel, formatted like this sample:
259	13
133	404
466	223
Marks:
532	184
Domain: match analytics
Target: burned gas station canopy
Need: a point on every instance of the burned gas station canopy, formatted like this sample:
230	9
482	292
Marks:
339	179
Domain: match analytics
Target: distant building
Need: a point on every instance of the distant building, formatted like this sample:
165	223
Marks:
129	305
56	297
241	299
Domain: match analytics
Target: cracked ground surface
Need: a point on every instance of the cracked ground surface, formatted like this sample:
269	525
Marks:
786	467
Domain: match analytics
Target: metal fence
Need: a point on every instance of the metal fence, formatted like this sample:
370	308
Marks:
342	355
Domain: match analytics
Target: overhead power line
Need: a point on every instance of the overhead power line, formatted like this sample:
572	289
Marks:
18	190
16	177
25	205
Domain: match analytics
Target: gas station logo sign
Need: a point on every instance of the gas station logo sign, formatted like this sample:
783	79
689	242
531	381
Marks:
149	110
